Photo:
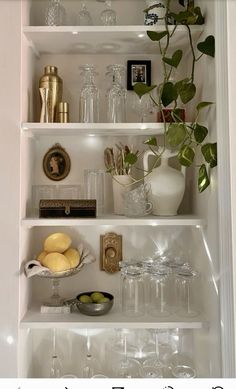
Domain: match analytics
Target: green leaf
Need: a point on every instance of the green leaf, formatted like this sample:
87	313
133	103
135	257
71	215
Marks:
209	151
203	179
169	93
175	60
186	155
184	17
203	104
200	133
151	142
176	134
178	114
200	19
141	89
187	92
156	36
130	158
208	46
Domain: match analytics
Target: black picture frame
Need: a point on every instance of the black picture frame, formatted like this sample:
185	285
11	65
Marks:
56	163
138	71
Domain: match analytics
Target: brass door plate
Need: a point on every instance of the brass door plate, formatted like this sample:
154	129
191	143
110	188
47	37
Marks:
110	252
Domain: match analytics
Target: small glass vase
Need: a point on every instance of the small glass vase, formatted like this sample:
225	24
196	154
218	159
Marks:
55	14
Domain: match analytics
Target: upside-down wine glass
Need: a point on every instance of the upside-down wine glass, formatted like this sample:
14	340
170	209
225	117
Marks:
108	16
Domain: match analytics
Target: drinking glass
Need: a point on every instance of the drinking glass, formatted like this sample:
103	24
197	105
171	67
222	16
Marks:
41	192
158	304
185	278
116	95
91	365
83	17
108	16
183	372
180	363
143	107
135	202
94	180
69	192
132	291
127	367
89	96
55	14
153	367
55	367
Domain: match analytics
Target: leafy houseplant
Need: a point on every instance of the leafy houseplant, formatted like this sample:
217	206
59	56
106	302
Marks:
186	138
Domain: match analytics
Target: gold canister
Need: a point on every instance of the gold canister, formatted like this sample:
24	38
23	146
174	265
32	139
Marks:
54	84
63	112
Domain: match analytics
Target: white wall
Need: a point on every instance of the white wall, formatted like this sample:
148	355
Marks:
10	46
231	5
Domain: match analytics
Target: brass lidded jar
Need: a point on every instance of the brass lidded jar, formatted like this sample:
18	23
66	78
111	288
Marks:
54	84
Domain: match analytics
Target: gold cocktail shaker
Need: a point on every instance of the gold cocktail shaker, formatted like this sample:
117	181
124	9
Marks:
54	84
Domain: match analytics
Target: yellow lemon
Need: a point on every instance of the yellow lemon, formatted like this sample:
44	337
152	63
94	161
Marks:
56	262
73	256
57	242
41	257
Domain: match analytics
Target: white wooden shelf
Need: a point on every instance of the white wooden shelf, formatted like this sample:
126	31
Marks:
181	220
101	39
92	129
114	319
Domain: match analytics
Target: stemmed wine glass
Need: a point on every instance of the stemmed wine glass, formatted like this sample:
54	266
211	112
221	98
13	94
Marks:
83	17
116	95
89	96
108	16
55	370
90	366
185	277
153	367
180	364
127	367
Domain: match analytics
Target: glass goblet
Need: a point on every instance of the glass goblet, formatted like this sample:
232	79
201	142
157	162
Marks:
108	16
83	17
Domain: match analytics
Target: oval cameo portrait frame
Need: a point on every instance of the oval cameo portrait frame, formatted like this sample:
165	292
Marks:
56	163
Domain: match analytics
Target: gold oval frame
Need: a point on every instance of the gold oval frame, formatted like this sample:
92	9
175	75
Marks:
56	163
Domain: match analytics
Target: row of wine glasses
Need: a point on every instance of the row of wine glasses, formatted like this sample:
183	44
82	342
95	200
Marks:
55	14
116	97
89	96
160	289
150	353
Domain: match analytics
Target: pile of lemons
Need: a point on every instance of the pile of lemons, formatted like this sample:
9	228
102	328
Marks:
57	254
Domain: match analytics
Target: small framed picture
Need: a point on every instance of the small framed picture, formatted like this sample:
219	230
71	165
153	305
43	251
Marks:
56	163
138	71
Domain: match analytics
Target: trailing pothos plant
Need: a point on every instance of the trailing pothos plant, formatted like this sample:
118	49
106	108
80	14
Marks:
187	138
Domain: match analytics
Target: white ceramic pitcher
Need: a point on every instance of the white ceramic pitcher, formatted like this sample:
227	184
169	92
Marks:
167	185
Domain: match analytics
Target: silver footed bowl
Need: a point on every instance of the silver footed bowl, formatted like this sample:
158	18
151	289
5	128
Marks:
92	309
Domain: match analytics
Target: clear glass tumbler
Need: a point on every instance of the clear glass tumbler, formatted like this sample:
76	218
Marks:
89	96
94	180
108	16
41	192
116	95
55	14
132	291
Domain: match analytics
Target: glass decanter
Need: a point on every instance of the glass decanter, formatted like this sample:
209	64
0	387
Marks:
89	96
55	14
108	16
83	17
116	95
